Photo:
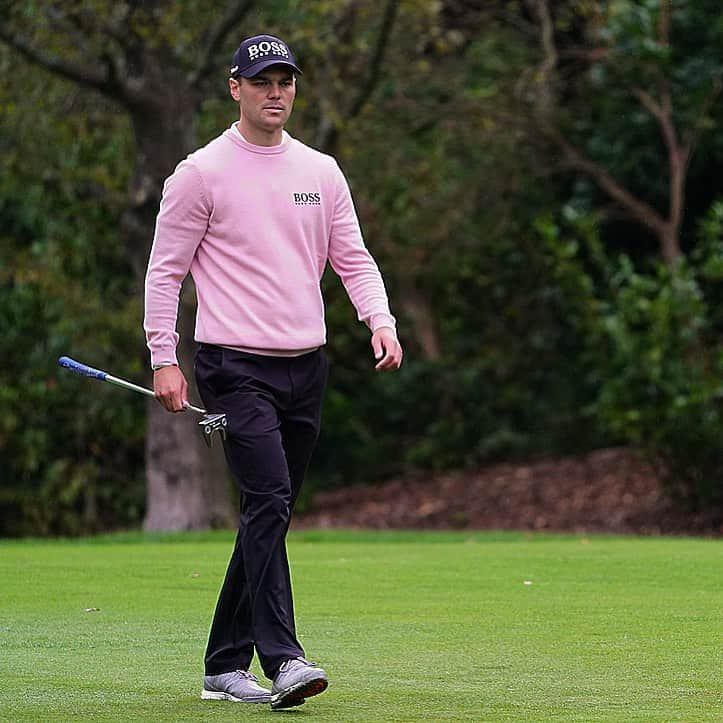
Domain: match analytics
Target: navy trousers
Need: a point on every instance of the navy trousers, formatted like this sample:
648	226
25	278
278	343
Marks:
273	407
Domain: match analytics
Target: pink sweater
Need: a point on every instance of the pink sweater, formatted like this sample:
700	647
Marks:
255	226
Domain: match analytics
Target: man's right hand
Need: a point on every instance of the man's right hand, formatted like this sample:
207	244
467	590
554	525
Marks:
171	388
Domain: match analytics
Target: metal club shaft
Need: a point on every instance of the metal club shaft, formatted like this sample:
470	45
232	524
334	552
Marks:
149	393
209	424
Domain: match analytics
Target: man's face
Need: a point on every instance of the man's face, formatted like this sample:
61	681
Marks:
266	99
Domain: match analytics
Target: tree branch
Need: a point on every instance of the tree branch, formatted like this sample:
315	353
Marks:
117	44
547	38
647	100
666	9
372	76
639	210
327	125
85	75
665	229
691	136
588	55
678	154
115	27
58	19
545	101
207	58
663	113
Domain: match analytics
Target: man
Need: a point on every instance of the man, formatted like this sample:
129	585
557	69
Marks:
254	216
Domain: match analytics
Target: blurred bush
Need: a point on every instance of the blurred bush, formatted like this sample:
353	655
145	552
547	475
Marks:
652	348
526	332
72	449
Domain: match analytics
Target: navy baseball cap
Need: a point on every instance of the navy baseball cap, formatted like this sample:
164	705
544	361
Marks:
259	52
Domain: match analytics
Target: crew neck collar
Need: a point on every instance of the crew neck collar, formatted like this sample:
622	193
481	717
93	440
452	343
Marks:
235	135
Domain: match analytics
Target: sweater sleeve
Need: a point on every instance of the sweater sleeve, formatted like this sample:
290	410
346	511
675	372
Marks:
351	260
180	226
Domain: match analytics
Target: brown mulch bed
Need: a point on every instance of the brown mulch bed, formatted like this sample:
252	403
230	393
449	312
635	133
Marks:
609	491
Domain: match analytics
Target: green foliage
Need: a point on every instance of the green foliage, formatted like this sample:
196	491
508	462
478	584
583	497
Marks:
653	350
603	110
72	453
663	388
522	337
506	385
445	198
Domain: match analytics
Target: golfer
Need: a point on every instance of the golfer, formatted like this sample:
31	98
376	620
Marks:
254	216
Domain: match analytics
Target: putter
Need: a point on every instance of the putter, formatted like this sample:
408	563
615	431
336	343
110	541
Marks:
209	424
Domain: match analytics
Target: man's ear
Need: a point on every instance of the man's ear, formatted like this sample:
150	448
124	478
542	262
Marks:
233	88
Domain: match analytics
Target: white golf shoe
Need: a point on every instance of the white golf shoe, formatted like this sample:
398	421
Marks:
239	686
297	680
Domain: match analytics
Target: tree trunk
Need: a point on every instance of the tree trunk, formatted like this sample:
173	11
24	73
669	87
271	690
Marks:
670	244
421	318
187	485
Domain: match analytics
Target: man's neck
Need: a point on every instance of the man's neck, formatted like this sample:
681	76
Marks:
258	137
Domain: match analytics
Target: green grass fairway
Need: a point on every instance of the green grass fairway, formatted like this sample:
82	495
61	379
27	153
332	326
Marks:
410	627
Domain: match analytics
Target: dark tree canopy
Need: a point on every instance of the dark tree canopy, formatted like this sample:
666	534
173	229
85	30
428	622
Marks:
532	176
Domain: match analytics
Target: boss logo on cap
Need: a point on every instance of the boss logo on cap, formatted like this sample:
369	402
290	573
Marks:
265	47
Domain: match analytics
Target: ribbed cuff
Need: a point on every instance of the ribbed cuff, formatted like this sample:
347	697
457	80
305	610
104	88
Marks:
377	321
164	357
156	367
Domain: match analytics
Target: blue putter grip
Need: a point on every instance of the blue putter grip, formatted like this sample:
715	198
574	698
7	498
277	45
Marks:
82	369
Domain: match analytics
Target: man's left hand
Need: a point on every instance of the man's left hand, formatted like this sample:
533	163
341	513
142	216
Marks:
387	350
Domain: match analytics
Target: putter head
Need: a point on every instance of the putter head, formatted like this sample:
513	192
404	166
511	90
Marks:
210	423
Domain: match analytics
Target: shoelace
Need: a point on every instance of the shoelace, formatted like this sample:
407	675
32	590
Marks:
287	663
247	674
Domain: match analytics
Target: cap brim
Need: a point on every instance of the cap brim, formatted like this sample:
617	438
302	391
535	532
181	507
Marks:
256	68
